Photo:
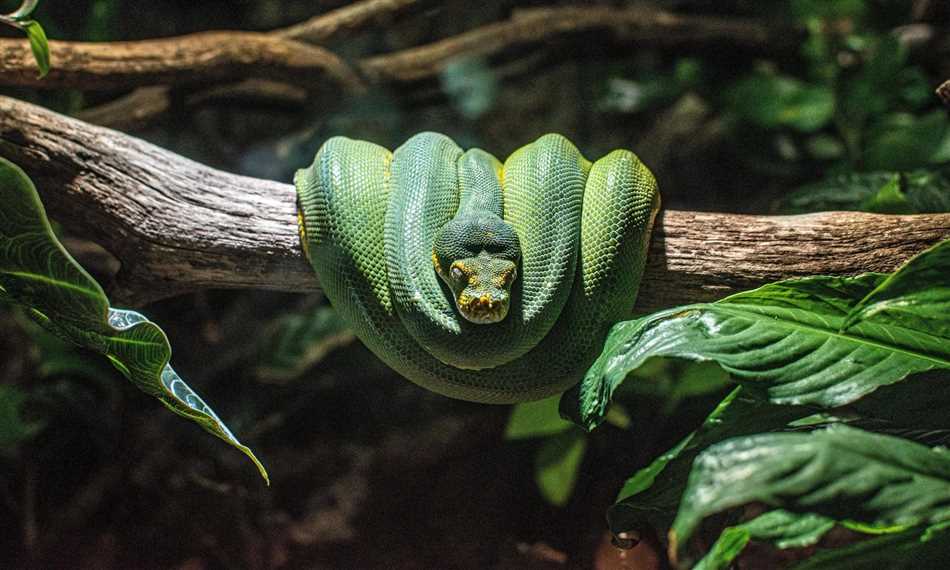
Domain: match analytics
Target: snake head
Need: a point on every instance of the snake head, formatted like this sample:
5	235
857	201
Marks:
478	261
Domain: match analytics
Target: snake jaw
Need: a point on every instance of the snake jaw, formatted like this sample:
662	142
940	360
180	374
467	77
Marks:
483	309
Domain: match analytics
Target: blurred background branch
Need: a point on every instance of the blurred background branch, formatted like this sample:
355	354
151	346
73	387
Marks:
161	64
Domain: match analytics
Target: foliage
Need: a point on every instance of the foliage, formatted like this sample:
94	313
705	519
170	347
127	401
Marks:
795	347
38	273
848	117
20	18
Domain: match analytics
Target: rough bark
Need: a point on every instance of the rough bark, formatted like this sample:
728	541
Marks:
220	56
179	226
639	24
196	58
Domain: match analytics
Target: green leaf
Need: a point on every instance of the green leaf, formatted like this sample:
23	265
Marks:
785	529
872	91
38	273
652	494
781	528
925	191
889	200
13	428
838	472
914	301
557	464
727	547
301	341
771	100
904	142
536	419
914	549
807	341
38	44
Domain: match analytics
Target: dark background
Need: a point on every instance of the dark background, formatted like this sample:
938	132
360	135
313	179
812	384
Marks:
368	470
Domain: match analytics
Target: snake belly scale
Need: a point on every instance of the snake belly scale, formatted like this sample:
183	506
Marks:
478	280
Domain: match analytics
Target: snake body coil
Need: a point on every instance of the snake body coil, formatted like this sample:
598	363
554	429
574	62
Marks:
477	280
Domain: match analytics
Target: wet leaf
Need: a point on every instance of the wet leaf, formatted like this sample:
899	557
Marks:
914	549
823	341
38	273
838	472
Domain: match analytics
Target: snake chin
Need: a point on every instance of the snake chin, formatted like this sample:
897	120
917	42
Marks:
483	309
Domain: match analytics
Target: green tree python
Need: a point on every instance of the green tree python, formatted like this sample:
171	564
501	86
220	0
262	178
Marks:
478	280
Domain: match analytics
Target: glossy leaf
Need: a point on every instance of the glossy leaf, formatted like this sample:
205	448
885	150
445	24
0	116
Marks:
38	273
781	528
651	496
727	547
38	45
823	341
915	549
838	472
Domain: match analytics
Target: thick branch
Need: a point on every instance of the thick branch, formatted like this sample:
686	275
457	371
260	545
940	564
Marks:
179	226
195	58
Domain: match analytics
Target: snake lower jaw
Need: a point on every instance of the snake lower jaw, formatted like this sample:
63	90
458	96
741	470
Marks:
482	310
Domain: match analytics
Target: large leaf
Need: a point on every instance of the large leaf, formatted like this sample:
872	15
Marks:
824	341
38	273
651	495
838	472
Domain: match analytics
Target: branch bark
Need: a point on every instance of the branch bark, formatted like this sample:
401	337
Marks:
196	58
178	226
184	60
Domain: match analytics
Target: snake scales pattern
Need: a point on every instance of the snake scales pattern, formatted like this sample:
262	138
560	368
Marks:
476	280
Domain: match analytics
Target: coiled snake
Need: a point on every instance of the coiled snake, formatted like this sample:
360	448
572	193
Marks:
480	281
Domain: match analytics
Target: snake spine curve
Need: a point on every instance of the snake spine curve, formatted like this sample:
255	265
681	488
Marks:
478	280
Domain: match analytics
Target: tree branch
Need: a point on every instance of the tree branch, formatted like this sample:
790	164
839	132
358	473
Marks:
638	24
196	58
347	19
178	226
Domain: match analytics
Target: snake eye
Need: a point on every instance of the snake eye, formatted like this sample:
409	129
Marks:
456	273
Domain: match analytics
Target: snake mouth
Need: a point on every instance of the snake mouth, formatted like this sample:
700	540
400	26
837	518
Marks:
482	310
